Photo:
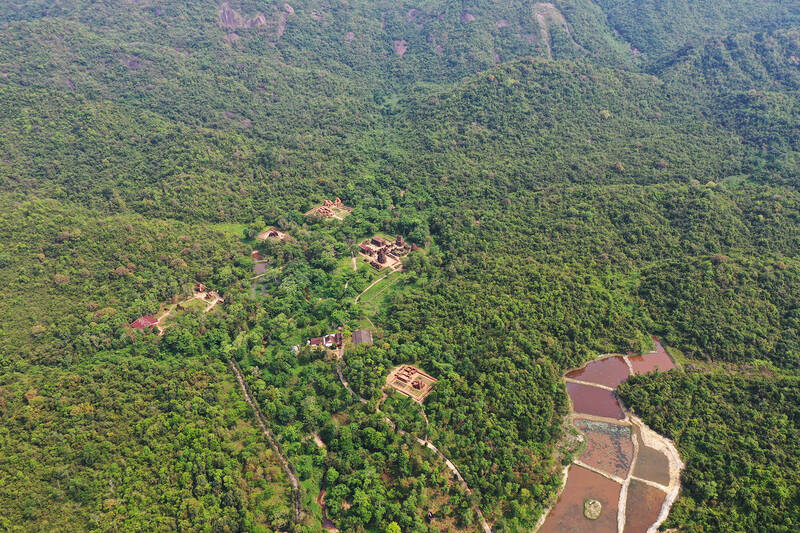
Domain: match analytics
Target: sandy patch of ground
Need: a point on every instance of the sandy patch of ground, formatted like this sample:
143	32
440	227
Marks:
399	47
547	15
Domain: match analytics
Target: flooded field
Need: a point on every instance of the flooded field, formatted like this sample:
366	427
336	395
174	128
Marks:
582	484
622	456
590	400
658	361
608	446
644	504
609	372
652	465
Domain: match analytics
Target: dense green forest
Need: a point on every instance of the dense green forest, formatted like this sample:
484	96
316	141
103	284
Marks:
578	175
738	435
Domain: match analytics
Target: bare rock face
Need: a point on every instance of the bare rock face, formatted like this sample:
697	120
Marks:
258	20
289	9
467	17
281	29
400	47
228	17
132	62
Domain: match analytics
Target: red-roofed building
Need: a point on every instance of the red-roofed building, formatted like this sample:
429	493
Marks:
330	341
144	322
316	341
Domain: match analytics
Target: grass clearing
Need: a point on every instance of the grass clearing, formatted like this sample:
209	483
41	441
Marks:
235	229
371	301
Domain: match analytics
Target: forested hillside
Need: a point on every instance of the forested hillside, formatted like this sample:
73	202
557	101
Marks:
575	176
737	434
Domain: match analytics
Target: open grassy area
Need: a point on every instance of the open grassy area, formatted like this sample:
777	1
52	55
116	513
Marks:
230	228
371	301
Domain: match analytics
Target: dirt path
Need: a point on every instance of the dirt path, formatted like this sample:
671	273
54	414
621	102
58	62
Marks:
423	442
287	467
355	266
346	384
327	524
370	286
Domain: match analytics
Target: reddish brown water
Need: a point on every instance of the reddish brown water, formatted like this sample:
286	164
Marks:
594	401
658	361
608	446
609	372
644	504
567	515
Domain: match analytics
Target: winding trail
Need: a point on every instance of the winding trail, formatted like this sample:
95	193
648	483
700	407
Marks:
370	286
423	442
287	467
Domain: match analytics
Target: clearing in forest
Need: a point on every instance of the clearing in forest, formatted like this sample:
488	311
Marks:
411	381
203	300
383	253
272	234
335	209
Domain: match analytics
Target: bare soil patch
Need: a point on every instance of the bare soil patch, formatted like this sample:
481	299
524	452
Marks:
609	447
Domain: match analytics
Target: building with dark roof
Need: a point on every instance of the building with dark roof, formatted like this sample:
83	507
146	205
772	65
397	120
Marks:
362	336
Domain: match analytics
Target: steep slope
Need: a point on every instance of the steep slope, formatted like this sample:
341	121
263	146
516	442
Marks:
384	42
532	123
657	27
750	83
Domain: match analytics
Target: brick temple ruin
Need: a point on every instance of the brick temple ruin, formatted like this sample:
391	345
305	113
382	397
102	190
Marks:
411	381
331	209
382	253
272	234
